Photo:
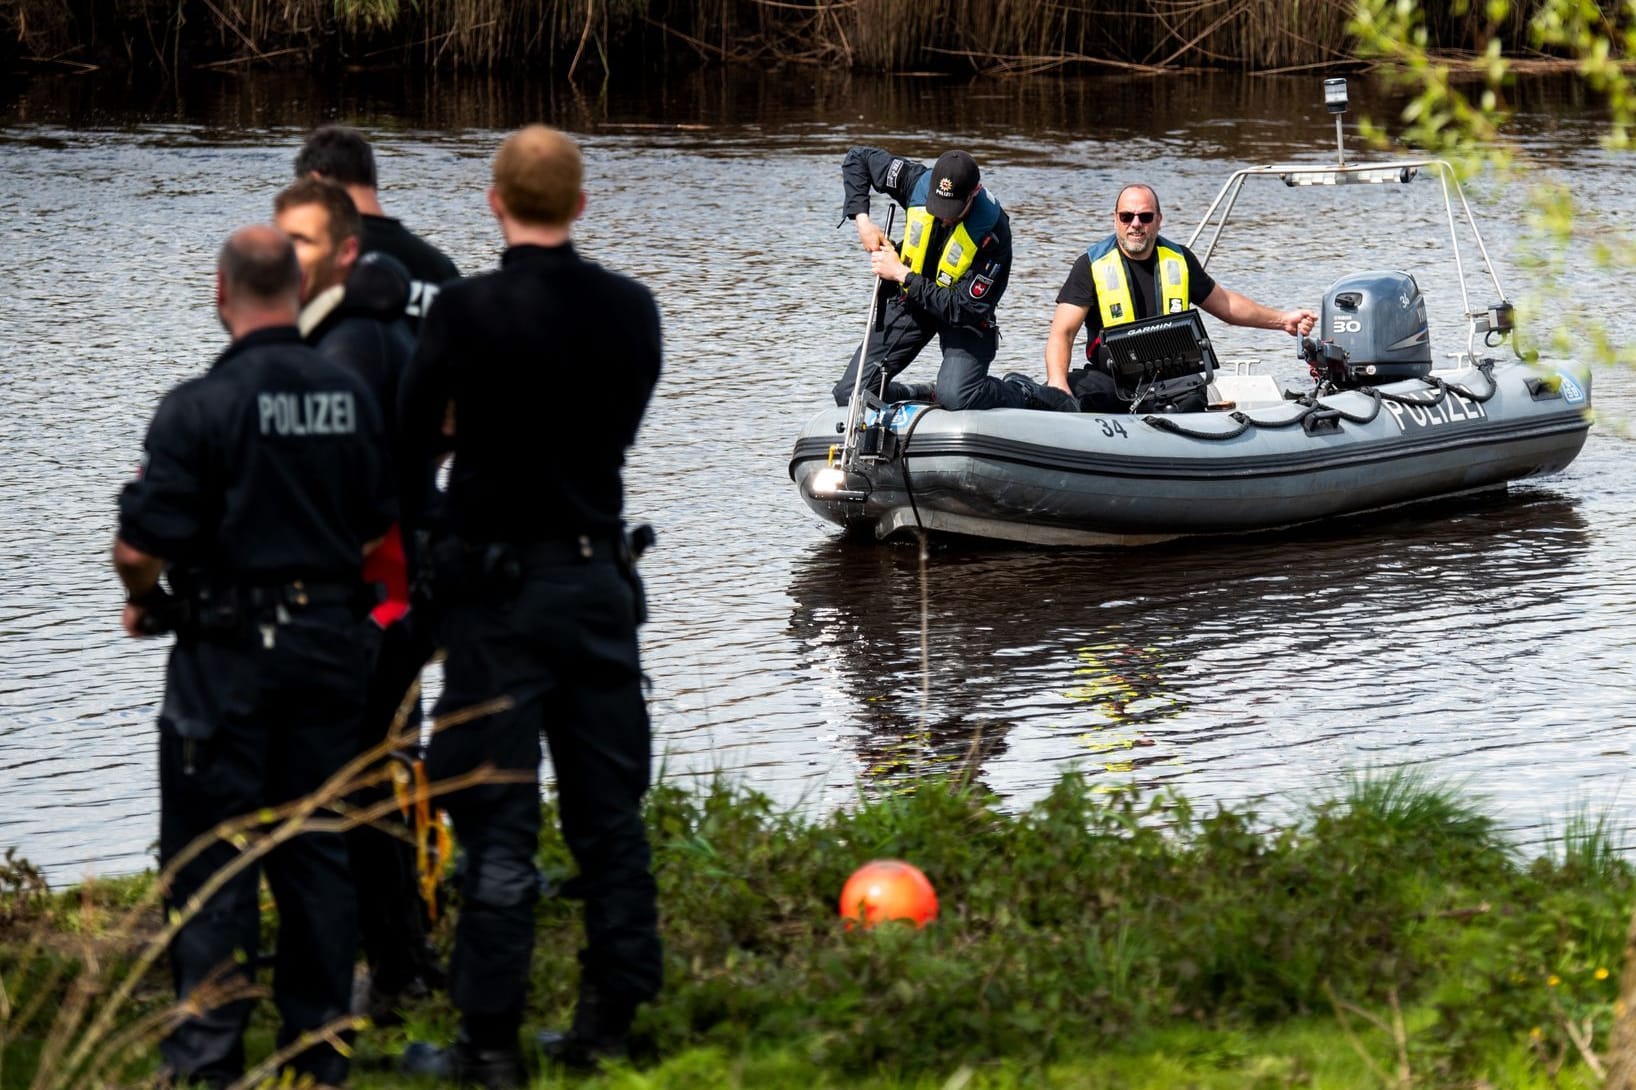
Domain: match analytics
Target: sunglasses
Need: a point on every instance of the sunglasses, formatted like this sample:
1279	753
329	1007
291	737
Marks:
1145	217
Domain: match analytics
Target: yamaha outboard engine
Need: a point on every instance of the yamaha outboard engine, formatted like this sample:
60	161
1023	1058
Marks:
1374	330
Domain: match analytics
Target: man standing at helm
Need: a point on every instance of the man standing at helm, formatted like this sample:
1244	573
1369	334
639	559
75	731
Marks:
945	282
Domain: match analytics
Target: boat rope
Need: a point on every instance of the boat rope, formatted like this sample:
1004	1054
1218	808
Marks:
903	457
1168	423
1323	417
1443	388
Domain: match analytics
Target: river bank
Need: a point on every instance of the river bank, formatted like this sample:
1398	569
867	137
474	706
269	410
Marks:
599	38
1094	939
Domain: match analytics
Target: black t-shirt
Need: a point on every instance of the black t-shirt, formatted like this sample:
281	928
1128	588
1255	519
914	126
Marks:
428	266
549	362
269	467
1080	289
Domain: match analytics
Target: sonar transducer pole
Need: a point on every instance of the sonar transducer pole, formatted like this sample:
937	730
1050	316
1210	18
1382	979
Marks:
854	407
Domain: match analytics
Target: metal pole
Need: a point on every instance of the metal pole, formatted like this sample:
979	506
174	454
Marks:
854	406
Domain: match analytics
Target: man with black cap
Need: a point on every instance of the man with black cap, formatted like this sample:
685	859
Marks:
944	282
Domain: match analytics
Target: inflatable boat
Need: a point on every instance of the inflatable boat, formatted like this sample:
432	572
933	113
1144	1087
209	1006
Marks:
1378	428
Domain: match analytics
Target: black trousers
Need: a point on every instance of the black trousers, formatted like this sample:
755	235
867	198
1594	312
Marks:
963	381
562	647
392	922
246	726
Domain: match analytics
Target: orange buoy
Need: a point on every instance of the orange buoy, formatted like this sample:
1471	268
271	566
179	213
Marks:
888	889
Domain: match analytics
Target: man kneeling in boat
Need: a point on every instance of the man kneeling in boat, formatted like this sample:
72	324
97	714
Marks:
1137	273
945	282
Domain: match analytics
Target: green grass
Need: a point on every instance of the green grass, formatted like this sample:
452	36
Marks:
1090	940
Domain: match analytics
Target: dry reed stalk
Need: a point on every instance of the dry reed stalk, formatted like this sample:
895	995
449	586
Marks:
883	35
329	1034
84	1044
584	36
1621	1058
1403	1077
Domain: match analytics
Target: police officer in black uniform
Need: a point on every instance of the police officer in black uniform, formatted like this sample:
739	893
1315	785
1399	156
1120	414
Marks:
341	155
353	303
352	312
538	603
946	282
263	486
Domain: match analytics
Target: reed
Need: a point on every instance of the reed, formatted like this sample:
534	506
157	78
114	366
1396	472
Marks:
987	36
93	1009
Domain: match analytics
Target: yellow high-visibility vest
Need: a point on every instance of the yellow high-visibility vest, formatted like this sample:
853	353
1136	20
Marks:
958	252
1112	280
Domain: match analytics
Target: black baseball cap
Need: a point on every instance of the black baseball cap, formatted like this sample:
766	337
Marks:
954	180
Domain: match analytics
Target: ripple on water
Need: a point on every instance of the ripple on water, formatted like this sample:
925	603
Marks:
1488	640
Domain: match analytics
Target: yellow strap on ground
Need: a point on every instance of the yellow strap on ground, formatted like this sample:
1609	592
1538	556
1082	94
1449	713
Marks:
431	842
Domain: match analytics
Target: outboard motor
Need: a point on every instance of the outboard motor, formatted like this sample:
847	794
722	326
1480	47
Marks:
1374	331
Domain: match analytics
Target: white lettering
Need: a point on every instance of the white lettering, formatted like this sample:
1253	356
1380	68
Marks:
421	295
1451	408
327	413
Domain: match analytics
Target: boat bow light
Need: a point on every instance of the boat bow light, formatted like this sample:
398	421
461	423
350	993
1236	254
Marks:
829	480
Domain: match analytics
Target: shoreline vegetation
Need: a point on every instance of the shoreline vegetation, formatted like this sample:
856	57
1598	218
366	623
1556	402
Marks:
588	38
1386	937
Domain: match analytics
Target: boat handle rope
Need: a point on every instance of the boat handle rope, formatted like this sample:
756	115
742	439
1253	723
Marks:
1319	416
903	455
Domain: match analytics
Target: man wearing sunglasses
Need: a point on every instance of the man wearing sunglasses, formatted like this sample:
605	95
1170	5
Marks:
1137	273
944	281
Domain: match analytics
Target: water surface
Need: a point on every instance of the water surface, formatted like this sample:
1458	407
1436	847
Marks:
1486	641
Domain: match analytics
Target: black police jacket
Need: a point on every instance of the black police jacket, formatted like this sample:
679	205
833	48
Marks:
429	267
362	327
968	304
549	363
268	468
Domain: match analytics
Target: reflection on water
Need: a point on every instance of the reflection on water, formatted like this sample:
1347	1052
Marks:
1215	112
1491	639
1453	632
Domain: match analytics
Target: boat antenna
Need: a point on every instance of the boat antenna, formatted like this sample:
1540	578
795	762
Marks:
1335	99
